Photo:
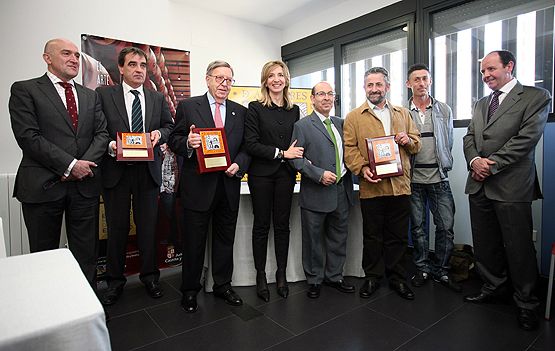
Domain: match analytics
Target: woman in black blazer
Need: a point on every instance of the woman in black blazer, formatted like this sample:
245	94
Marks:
268	130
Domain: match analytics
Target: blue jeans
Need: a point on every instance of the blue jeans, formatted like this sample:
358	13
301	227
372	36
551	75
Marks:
442	206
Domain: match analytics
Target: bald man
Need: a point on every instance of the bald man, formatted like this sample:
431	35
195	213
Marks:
61	130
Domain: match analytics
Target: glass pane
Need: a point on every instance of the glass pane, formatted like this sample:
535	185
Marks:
311	79
457	48
388	50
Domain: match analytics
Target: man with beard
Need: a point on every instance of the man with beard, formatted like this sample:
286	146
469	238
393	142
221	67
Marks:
385	203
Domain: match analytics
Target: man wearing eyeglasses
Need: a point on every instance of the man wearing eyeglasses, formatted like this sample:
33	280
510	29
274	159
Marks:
326	193
210	196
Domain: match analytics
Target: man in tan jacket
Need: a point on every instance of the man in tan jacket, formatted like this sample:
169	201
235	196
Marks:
385	202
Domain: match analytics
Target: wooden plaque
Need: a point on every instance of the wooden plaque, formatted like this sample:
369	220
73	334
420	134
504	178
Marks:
384	157
213	153
134	147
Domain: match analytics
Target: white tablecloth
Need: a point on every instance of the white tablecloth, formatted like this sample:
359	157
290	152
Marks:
46	303
244	273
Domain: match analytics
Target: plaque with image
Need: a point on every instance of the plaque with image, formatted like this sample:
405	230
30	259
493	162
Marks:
384	157
213	154
134	147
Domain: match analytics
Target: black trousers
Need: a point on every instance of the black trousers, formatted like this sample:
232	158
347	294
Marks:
385	225
136	188
503	247
271	201
224	221
44	225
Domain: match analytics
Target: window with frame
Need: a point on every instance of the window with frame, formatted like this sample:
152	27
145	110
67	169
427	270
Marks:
388	50
462	35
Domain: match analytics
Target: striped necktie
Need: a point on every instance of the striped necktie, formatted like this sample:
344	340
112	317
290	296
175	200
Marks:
494	104
136	114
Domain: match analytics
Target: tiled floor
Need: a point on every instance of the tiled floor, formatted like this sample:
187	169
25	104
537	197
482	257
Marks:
436	320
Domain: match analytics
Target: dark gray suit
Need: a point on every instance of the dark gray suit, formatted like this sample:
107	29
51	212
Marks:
324	209
500	206
43	130
138	180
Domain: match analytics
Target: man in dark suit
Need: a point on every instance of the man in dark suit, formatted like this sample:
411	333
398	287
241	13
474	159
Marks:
130	107
213	195
61	130
502	183
326	193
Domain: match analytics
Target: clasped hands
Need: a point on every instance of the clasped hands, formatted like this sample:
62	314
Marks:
481	168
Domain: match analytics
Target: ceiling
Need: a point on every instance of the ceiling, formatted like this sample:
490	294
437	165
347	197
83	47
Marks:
272	13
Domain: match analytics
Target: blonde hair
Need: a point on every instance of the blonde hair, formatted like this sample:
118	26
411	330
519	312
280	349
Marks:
265	98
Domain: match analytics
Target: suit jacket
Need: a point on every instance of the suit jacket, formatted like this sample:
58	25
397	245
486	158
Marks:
157	117
268	128
198	190
509	139
43	130
319	156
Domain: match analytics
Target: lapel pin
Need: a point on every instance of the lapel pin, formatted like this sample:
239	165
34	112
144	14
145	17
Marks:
233	113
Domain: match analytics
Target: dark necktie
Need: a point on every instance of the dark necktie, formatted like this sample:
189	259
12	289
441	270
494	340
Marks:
70	104
136	114
494	104
327	122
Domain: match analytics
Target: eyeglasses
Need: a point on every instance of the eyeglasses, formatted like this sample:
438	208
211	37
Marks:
330	94
221	79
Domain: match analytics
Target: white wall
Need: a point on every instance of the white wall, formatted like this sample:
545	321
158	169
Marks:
308	21
27	24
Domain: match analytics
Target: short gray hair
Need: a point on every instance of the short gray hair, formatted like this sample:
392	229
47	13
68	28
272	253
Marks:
215	64
375	70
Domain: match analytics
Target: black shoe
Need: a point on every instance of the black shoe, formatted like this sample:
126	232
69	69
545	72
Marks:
281	284
368	288
313	291
448	282
402	289
230	297
153	289
111	296
341	285
189	303
478	297
419	279
262	287
527	319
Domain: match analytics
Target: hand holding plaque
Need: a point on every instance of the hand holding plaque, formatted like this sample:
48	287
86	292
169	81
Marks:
213	153
134	147
384	157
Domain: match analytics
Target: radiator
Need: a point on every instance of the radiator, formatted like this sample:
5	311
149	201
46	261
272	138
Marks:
15	233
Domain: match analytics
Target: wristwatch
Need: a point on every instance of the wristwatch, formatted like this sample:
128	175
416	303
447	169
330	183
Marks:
280	155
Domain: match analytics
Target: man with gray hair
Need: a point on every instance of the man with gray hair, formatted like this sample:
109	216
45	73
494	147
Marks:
384	202
212	196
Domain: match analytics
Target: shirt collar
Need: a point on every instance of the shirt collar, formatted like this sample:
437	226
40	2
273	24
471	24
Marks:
372	106
211	100
56	80
505	89
127	88
321	116
413	106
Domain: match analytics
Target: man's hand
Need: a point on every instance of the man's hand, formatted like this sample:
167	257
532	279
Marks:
82	169
328	178
402	138
154	137
480	167
368	175
193	140
232	170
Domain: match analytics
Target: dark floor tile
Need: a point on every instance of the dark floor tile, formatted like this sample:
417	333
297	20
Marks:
135	297
360	329
133	330
173	319
546	339
473	328
299	313
230	333
432	302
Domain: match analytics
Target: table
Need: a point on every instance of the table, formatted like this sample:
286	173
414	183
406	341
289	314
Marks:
46	303
244	273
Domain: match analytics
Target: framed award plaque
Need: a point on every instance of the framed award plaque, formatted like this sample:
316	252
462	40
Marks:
134	147
213	153
384	157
